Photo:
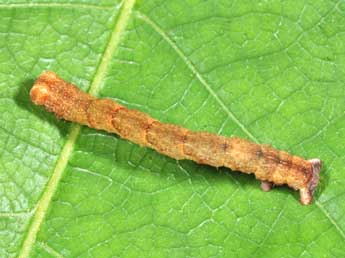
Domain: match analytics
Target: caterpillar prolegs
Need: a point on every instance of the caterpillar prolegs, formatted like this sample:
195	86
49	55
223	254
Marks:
271	166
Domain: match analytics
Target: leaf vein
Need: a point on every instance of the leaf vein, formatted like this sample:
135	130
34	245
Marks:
331	219
194	70
54	5
50	250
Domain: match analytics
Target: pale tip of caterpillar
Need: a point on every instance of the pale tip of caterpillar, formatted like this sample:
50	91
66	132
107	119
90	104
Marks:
266	186
39	93
306	194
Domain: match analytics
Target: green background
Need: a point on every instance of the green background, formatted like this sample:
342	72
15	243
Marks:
269	71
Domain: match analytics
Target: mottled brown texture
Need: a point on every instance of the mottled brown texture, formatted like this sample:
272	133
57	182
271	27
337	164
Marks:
269	165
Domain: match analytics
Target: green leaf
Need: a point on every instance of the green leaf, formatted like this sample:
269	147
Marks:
269	71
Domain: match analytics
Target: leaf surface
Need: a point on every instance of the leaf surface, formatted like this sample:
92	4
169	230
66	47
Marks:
269	71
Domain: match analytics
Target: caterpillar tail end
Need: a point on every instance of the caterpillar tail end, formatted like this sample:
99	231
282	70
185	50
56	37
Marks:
306	194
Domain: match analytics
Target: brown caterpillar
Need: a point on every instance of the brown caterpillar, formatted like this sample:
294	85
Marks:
271	166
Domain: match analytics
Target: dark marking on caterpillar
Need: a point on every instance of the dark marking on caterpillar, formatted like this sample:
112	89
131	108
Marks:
259	153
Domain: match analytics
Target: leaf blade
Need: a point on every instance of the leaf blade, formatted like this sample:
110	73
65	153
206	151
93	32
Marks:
276	66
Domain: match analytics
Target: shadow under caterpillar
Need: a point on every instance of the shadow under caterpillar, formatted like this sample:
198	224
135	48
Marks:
271	166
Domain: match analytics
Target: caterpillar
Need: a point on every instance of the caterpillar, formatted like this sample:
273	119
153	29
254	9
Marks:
271	166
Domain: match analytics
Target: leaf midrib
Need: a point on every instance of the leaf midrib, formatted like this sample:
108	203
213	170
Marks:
43	204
